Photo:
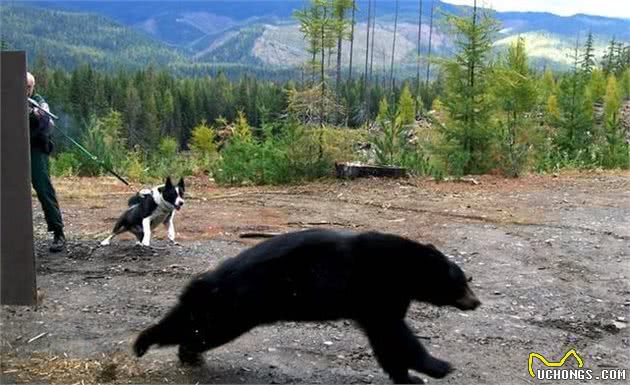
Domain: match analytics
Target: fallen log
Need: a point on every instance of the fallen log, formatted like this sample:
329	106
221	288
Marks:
356	170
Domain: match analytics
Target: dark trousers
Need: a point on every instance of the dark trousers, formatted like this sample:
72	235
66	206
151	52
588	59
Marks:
45	191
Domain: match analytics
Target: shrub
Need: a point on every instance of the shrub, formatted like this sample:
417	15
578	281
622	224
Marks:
104	140
288	157
64	164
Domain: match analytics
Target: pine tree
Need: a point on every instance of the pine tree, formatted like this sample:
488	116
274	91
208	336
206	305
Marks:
609	60
588	59
617	153
625	84
340	8
612	99
552	110
575	111
467	85
406	106
41	73
149	120
516	94
242	130
548	83
620	59
311	20
597	85
167	109
202	140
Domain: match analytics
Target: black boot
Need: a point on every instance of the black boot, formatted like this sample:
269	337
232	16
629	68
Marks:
59	242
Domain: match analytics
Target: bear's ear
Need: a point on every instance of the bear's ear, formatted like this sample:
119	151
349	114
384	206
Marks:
469	279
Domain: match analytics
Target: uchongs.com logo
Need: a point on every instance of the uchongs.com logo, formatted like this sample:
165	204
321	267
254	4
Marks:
559	370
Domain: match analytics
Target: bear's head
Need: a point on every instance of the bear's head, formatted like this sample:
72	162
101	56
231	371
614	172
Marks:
443	283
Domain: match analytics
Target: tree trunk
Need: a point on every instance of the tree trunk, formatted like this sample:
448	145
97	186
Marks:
429	48
418	59
322	76
351	41
367	56
471	127
367	45
391	68
373	36
370	82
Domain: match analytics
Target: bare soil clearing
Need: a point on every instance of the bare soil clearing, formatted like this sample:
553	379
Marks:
550	257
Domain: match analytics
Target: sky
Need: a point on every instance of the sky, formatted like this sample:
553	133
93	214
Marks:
611	8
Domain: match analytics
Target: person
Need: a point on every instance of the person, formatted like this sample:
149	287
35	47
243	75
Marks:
40	126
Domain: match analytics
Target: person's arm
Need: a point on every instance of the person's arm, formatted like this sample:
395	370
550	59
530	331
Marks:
42	103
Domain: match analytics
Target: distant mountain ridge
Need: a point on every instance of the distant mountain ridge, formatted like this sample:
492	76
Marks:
264	32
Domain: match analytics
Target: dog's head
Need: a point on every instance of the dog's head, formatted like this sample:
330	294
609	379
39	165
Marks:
174	194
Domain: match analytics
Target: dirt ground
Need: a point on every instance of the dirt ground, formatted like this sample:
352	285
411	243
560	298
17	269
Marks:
549	255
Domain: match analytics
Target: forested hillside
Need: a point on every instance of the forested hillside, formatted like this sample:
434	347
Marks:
486	107
69	39
265	34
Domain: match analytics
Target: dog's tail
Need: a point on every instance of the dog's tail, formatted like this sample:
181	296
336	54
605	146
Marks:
134	200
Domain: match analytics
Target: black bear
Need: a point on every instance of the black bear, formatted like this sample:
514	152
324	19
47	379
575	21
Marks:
317	275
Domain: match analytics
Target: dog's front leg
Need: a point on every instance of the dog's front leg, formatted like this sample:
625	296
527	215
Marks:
171	229
146	228
106	241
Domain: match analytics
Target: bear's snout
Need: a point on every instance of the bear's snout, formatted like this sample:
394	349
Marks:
468	302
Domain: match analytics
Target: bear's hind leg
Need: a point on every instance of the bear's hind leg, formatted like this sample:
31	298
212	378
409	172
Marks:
190	356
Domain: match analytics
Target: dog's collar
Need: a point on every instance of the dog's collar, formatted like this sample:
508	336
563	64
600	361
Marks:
157	197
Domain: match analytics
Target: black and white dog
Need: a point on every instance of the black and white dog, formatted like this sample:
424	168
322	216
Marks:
149	208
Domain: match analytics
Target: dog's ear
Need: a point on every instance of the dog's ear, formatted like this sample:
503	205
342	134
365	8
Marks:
168	182
180	184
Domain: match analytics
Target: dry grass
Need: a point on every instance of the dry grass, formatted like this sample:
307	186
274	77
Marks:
43	367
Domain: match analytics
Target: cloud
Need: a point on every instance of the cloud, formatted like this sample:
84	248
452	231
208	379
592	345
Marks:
610	8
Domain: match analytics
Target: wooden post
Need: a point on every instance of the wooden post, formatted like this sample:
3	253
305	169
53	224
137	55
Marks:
17	258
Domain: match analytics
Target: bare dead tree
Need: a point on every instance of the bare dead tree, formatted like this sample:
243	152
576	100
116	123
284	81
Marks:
367	56
354	7
373	37
391	68
429	48
418	58
371	56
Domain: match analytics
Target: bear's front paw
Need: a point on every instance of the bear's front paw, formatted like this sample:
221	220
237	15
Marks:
141	345
437	368
408	379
